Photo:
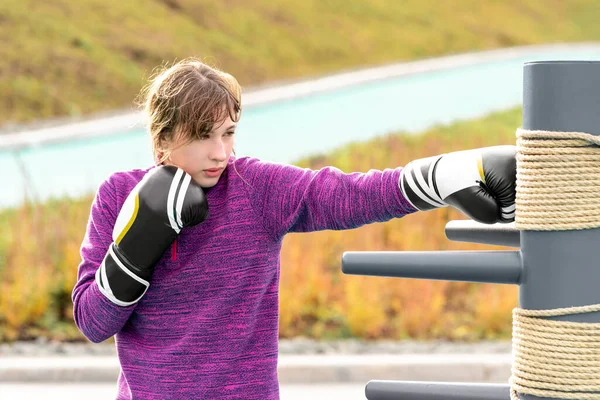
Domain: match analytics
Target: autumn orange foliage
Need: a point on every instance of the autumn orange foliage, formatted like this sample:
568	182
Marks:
39	255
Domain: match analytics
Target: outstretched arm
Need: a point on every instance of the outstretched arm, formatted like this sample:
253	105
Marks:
293	199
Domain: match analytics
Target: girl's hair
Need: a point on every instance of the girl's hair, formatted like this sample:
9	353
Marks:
185	101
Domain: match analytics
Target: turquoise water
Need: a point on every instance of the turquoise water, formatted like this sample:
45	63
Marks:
288	130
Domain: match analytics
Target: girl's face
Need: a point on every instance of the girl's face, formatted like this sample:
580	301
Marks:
205	158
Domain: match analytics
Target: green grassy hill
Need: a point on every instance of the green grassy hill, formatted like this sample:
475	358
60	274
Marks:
69	58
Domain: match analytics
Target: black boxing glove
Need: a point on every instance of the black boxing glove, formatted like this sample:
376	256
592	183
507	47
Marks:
159	206
481	183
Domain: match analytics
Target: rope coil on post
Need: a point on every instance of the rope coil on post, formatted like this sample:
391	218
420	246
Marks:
558	188
558	180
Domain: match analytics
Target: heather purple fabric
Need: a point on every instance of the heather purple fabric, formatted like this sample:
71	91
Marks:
207	328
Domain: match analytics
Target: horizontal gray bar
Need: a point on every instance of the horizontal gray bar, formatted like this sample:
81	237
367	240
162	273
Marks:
465	266
476	232
399	390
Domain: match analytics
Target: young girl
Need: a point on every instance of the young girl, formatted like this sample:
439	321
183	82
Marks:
198	318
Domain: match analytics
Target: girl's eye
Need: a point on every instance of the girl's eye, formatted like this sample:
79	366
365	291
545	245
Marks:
204	137
230	133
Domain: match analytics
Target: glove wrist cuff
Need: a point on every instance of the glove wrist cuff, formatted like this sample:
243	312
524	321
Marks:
117	282
417	184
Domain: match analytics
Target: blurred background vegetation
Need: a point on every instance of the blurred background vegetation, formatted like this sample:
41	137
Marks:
73	58
60	58
39	254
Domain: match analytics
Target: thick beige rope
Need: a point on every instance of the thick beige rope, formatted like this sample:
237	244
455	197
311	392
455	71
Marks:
558	188
558	180
555	359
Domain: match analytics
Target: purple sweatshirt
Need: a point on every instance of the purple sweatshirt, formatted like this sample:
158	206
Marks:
207	327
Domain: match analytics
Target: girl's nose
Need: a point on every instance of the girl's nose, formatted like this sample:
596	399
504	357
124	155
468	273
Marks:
218	151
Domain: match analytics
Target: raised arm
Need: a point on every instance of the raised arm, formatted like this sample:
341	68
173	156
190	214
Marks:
116	269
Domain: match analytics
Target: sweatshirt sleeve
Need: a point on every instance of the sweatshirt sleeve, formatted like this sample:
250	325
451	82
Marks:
293	199
96	316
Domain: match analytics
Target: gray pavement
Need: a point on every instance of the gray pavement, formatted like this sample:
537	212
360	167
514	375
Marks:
300	362
292	369
308	369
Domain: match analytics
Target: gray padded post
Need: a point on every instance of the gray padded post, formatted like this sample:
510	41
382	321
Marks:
555	269
561	267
